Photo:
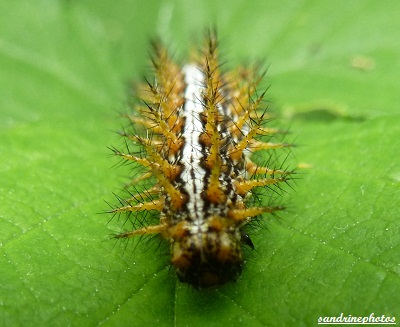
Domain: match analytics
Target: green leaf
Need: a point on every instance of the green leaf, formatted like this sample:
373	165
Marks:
334	76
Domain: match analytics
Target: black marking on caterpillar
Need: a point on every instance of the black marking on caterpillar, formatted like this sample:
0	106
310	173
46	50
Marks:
202	126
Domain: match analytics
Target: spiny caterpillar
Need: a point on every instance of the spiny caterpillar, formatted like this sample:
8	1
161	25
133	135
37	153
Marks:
201	126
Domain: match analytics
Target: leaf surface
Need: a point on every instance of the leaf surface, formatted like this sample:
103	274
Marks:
65	66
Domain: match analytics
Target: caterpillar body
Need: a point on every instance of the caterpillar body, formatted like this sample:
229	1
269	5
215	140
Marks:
202	126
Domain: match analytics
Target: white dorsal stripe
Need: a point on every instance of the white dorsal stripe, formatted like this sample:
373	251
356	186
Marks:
193	174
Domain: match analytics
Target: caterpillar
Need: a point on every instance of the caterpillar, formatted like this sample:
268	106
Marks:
200	127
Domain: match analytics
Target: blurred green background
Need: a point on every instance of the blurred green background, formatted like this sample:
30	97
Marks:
334	76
